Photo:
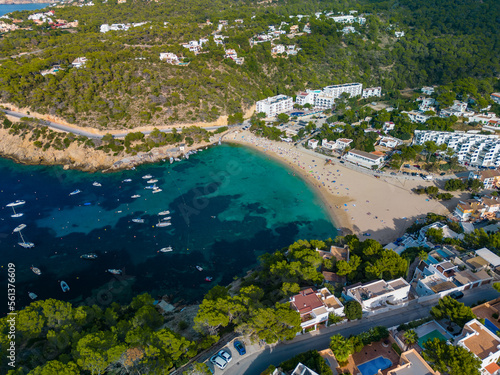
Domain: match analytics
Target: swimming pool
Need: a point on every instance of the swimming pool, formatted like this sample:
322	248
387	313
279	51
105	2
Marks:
488	324
431	336
372	367
432	260
442	253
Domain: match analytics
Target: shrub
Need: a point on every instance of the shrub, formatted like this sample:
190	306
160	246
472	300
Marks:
396	348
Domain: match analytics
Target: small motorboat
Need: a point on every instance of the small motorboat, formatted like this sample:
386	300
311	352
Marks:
32	295
163	224
177	159
16	203
127	180
208	278
36	270
96	184
87	204
115	271
17	214
171	160
75	192
135	196
166	249
138	220
89	256
199	268
64	286
19	228
147	177
151	187
157	190
152	181
163	213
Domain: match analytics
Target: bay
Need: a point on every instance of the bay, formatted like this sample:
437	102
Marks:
228	205
8	8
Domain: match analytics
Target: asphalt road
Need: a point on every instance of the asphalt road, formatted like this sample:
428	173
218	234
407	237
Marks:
68	129
255	363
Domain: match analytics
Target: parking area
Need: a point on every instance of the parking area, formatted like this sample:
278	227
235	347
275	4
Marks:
221	361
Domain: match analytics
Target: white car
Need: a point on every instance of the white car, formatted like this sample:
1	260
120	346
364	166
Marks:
227	357
219	361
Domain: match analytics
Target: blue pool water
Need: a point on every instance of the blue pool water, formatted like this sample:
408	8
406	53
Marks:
432	260
442	253
493	328
372	367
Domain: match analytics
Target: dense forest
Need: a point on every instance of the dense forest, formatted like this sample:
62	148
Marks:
124	84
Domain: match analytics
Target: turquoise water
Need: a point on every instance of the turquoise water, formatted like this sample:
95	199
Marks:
7	8
228	205
431	336
372	367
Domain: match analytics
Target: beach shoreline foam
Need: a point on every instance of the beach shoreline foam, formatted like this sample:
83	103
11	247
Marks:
358	203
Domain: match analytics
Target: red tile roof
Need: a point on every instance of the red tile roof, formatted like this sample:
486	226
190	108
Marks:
492	368
306	301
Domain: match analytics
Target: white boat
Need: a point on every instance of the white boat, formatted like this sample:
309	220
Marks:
16	203
96	184
152	181
163	213
135	196
36	270
114	271
19	228
147	177
199	268
32	295
151	187
186	156
166	249
75	192
163	224
16	215
177	159
127	180
166	218
157	190
171	160
26	245
64	286
138	220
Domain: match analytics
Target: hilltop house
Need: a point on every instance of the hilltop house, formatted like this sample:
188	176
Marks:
380	293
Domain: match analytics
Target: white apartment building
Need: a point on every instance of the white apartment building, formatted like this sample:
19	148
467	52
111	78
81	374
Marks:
304	98
365	159
349	19
275	105
390	142
475	149
353	89
429	90
371	91
324	101
379	293
170	58
313	143
416	116
483	343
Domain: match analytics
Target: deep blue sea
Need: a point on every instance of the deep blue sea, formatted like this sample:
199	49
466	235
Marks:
228	204
7	8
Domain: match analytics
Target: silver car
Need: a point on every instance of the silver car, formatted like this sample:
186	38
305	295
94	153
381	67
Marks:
226	355
219	361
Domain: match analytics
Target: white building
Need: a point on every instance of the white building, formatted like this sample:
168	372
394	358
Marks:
343	143
496	97
313	143
475	149
399	34
329	145
379	293
349	19
429	90
79	62
417	116
170	58
483	343
277	49
388	126
303	370
275	105
371	91
353	89
390	142
365	159
307	97
314	307
324	101
489	256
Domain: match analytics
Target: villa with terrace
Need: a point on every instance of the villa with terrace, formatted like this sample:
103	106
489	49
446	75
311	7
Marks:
379	294
483	343
315	307
412	363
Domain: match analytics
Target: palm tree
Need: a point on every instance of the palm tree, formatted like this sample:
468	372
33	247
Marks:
410	337
423	256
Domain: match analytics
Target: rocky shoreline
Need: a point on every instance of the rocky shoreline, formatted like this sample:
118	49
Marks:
80	157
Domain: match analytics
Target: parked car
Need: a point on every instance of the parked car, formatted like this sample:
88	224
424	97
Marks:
342	162
394	173
367	234
226	355
456	295
239	347
218	361
442	173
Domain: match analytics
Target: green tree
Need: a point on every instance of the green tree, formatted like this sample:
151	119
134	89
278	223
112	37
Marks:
457	312
435	235
353	310
411	337
283	117
450	359
56	367
96	351
341	348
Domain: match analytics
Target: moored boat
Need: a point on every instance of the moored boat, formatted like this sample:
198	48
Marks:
152	181
163	213
75	192
199	268
138	220
96	184
157	190
147	177
64	286
89	256
166	249
32	295
16	203
171	160
127	180
36	270
115	271
208	278
135	196
17	214
163	224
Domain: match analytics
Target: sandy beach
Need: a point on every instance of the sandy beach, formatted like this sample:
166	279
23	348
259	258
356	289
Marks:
357	203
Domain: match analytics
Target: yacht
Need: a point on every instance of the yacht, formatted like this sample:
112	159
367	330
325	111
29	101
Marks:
36	270
147	177
163	224
127	180
90	256
135	196
26	245
16	203
177	159
157	190
199	268
152	181
96	184
32	295
163	213
64	286
114	271
138	220
171	160
151	187
166	249
75	192
166	218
